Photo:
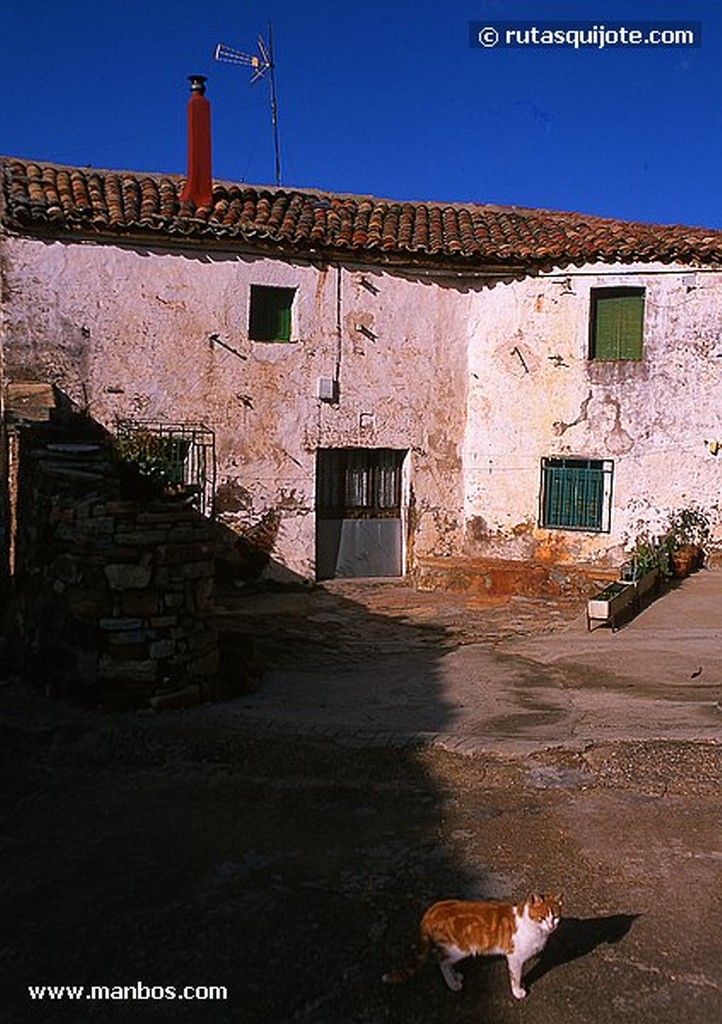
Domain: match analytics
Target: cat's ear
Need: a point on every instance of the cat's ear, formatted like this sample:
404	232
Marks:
532	899
558	897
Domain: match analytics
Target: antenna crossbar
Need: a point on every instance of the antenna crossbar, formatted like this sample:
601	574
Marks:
229	55
261	63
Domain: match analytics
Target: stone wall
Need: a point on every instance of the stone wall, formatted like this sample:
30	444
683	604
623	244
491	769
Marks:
113	595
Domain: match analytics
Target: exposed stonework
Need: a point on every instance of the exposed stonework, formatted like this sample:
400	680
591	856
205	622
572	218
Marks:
166	339
115	593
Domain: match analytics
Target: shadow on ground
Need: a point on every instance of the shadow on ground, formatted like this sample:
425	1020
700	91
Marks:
173	850
193	848
577	937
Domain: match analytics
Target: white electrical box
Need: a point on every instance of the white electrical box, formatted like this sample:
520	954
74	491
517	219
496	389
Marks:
327	389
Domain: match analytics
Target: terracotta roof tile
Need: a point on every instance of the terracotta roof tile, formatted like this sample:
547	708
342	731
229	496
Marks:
70	200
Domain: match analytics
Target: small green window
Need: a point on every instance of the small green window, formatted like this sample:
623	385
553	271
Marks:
617	323
576	494
270	313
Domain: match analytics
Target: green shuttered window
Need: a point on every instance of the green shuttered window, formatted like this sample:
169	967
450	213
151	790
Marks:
576	494
617	323
270	313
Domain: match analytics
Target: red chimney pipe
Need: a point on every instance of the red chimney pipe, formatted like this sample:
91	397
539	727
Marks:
198	188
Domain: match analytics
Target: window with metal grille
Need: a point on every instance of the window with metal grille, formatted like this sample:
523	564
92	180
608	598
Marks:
181	455
270	313
616	323
359	483
577	494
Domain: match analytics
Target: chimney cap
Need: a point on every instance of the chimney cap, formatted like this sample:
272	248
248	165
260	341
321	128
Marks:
198	83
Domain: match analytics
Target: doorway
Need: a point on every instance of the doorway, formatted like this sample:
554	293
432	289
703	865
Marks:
359	512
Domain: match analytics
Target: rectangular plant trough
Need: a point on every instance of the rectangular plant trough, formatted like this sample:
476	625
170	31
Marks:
608	603
616	597
650	581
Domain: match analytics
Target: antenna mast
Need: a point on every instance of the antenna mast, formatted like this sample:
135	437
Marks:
261	63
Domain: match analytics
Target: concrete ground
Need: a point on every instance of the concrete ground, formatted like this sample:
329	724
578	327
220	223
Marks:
401	748
390	663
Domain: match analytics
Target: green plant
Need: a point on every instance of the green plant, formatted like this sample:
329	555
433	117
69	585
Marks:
611	590
665	551
156	458
690	525
649	552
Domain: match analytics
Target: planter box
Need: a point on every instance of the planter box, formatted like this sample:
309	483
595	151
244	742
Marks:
608	603
650	581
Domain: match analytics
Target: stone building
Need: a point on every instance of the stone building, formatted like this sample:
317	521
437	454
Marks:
385	383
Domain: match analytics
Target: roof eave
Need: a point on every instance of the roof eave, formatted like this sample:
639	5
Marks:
199	236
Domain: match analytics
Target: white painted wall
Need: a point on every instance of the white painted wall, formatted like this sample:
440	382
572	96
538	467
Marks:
478	382
127	332
534	393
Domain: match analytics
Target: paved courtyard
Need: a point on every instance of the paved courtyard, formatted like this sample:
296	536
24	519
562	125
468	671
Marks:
377	659
401	748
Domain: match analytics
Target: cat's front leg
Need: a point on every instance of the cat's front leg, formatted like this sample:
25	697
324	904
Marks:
452	978
448	956
516	966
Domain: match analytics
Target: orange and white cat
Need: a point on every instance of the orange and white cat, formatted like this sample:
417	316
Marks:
455	929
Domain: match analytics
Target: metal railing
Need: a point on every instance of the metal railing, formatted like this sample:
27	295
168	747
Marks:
186	452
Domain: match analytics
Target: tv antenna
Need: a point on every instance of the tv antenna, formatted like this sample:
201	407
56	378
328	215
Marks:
261	63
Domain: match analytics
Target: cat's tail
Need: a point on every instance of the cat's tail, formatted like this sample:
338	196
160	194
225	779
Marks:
404	973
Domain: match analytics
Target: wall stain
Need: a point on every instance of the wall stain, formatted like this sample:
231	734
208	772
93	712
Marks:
231	496
618	441
559	427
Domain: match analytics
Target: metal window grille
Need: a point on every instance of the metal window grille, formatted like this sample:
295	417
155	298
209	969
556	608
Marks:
355	483
188	451
577	494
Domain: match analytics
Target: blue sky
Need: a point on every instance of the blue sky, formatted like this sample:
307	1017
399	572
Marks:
383	97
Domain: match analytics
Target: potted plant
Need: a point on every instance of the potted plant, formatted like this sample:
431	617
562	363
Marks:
649	562
687	536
